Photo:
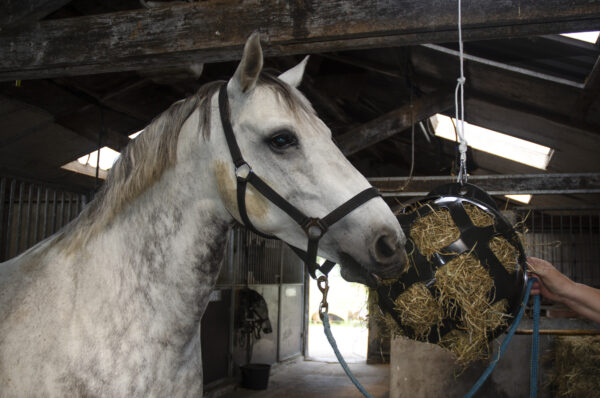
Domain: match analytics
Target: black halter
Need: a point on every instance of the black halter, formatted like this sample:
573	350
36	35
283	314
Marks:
314	228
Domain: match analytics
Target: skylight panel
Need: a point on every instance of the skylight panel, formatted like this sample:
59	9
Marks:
108	157
499	144
521	198
590	37
87	163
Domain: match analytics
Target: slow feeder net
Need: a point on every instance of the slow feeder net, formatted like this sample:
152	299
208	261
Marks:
465	281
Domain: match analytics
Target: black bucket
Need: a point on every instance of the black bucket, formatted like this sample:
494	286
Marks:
255	376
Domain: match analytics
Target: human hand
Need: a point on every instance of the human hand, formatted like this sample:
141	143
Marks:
551	283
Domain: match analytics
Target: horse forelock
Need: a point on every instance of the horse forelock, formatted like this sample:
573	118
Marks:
147	157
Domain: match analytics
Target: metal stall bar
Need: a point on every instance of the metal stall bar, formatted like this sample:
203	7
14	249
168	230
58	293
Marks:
69	205
36	225
45	223
53	226
27	244
11	199
3	231
18	223
62	210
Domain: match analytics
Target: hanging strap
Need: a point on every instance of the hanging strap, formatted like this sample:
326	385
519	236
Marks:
460	117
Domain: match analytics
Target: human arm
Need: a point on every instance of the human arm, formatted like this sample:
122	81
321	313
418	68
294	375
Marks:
582	299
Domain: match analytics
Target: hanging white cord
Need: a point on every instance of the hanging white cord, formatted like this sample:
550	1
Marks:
460	118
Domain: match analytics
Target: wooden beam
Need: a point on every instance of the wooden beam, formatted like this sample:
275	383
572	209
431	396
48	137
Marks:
394	122
555	101
19	12
546	184
211	31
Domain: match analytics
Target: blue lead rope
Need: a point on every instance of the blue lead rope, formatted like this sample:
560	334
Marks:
533	375
509	335
338	354
535	347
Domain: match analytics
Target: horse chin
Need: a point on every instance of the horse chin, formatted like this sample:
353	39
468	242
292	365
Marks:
353	271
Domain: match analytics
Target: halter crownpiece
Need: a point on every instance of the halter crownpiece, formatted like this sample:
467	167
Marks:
314	228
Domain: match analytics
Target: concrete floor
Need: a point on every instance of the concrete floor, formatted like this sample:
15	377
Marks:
310	379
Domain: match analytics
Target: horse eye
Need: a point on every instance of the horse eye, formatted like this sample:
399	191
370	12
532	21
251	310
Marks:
283	139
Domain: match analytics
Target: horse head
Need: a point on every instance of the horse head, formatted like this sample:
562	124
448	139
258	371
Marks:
291	149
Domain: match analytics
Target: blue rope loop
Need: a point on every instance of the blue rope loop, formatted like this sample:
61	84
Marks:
340	358
535	348
509	335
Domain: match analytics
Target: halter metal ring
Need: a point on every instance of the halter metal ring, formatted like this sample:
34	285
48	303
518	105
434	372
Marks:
314	228
243	171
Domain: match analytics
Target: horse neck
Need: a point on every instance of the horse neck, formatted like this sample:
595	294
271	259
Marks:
161	254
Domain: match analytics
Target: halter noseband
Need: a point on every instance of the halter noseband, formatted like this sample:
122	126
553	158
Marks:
314	228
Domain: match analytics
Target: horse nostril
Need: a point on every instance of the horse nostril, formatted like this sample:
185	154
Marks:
385	247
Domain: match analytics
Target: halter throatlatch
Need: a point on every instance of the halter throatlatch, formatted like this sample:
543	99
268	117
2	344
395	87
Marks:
314	228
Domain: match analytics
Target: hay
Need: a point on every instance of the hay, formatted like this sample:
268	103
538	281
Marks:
434	232
479	217
463	347
437	229
419	310
576	367
466	295
506	253
463	290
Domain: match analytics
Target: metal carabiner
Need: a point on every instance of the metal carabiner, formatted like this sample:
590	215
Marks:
323	285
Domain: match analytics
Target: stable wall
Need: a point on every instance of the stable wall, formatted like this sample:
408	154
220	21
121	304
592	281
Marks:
274	271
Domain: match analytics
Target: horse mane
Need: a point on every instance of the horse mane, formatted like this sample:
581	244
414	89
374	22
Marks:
146	158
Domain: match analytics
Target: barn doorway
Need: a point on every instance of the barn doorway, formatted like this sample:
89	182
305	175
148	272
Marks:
348	315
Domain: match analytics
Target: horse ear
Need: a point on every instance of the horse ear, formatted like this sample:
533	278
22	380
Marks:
293	76
250	66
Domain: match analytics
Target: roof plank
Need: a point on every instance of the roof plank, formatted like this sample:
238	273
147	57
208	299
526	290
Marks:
212	32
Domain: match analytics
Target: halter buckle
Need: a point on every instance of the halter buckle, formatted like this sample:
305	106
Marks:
243	171
314	228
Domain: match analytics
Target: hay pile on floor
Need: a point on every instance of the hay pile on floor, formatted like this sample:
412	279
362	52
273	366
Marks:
576	367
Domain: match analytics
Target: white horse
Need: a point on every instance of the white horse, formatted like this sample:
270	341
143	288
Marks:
111	305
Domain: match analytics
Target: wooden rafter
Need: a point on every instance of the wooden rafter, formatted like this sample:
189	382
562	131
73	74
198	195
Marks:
394	122
212	31
579	183
19	12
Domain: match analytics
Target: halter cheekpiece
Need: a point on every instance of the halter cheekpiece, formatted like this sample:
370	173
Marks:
314	228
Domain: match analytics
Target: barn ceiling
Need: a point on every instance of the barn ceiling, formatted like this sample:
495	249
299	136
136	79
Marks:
74	74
